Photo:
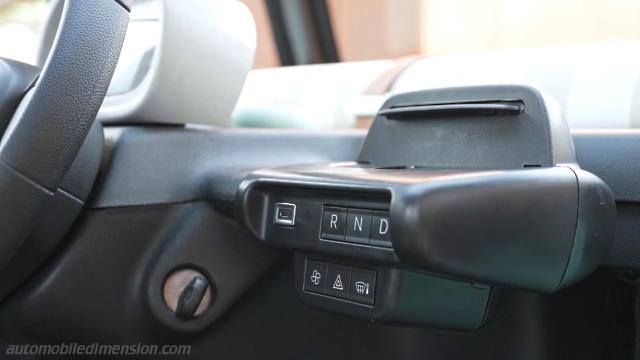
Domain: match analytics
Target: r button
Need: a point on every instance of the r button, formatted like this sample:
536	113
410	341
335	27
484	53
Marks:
333	223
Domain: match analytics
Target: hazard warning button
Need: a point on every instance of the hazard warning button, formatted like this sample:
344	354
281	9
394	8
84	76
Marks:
338	280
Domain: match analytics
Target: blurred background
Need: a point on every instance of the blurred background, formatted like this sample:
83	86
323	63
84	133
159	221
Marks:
20	23
389	29
332	63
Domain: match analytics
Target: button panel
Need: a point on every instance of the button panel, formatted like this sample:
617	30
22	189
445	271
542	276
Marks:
358	226
340	281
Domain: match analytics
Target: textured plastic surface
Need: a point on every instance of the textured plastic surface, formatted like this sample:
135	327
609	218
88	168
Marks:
143	154
536	136
46	133
408	298
115	267
137	170
16	79
78	182
480	225
443	303
483	186
517	228
613	155
61	209
595	228
51	123
116	248
20	207
56	218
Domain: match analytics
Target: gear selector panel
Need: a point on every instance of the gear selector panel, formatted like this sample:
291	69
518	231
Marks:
359	226
474	185
348	223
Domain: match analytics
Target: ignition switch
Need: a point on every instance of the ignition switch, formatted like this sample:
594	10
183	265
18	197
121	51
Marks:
187	293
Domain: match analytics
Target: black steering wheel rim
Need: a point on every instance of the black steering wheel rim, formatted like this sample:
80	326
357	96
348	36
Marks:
53	119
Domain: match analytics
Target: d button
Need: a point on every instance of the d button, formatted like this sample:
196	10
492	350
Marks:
380	235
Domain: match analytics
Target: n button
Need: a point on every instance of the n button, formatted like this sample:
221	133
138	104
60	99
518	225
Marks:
358	226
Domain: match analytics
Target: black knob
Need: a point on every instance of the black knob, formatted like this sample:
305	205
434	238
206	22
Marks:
187	293
191	297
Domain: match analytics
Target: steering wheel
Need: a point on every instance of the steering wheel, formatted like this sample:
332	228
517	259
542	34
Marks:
46	114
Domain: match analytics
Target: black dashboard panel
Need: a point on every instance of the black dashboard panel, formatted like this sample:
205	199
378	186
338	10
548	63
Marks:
478	186
137	189
614	155
471	184
134	155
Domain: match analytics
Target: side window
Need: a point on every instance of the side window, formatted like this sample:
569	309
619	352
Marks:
369	49
20	21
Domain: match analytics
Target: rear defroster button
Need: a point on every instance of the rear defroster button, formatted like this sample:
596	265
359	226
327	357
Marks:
363	286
